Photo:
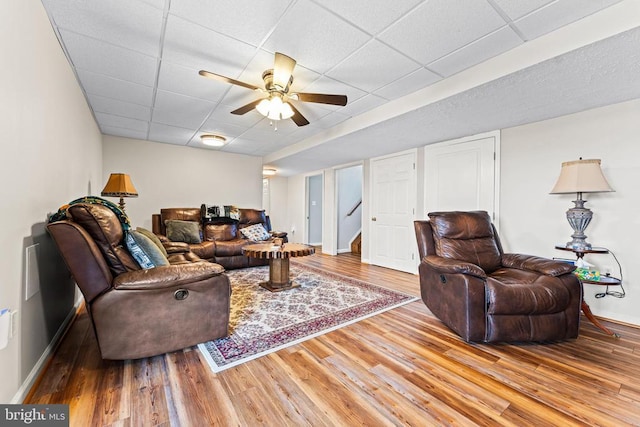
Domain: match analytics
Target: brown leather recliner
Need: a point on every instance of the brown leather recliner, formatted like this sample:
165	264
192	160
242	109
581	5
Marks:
485	295
221	243
140	313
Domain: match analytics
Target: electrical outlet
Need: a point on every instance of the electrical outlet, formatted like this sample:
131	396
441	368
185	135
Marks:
13	329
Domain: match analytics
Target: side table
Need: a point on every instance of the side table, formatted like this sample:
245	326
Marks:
278	257
604	281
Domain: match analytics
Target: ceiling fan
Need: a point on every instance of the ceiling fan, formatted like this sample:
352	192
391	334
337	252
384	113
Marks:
277	81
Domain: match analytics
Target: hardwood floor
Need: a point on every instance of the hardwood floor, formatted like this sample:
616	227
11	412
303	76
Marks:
402	367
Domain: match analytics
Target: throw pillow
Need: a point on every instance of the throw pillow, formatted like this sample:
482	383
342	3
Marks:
153	238
183	231
137	253
255	232
149	248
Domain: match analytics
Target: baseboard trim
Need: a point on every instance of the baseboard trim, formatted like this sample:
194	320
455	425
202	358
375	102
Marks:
35	375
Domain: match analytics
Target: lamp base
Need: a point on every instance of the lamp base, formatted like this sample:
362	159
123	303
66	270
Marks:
579	218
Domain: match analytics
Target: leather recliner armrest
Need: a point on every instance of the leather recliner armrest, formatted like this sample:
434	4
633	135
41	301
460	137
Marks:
167	276
176	247
538	264
452	266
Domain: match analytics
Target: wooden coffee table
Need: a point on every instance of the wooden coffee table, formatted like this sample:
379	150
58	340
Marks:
278	257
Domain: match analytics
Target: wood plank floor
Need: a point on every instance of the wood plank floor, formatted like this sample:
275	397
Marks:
402	367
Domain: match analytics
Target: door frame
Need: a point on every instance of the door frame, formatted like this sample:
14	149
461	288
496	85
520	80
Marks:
496	168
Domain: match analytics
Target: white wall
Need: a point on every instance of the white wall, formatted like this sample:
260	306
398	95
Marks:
279	202
533	221
51	152
169	176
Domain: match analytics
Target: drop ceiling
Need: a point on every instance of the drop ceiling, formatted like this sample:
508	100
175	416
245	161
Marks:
137	62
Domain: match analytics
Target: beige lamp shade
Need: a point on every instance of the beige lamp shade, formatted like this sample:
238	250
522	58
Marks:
581	176
119	185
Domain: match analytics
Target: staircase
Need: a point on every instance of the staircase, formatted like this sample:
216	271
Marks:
356	245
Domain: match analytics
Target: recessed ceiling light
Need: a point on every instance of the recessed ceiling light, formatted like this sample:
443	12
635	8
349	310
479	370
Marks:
213	140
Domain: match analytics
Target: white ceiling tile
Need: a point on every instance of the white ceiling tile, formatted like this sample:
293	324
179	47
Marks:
114	61
557	14
487	47
415	81
438	27
169	134
187	81
126	23
371	16
283	128
334	87
196	47
99	84
263	135
222	114
225	129
179	110
373	66
330	120
242	146
127	133
246	20
362	105
518	8
103	104
111	120
314	37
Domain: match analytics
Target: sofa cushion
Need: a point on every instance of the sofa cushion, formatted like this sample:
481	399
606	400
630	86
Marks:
105	229
183	231
233	247
218	232
255	232
144	250
153	238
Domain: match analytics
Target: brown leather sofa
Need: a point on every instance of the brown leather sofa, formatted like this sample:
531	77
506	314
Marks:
140	313
221	243
486	295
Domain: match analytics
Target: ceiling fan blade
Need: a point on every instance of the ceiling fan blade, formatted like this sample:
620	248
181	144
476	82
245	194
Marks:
224	79
282	70
297	117
321	98
246	108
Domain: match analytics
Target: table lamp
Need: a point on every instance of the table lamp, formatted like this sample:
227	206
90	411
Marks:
119	185
580	176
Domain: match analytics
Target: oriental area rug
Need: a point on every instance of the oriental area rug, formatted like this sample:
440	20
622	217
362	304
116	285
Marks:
263	322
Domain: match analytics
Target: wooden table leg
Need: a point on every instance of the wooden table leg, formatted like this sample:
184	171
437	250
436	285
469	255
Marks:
279	276
587	312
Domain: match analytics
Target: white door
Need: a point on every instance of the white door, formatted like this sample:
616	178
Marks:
393	190
461	175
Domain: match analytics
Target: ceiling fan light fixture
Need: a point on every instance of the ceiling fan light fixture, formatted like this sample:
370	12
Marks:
213	140
274	108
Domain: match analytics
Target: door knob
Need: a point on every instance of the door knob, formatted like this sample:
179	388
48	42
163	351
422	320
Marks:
374	219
